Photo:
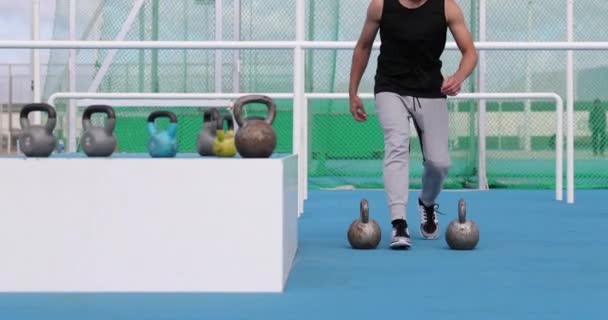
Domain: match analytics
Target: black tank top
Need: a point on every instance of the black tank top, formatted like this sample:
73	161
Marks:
412	42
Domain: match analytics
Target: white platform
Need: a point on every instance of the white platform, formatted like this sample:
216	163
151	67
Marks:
133	224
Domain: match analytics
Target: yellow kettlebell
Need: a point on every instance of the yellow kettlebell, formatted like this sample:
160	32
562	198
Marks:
223	145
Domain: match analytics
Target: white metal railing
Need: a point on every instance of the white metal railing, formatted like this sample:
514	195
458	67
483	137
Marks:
559	131
285	45
303	128
299	47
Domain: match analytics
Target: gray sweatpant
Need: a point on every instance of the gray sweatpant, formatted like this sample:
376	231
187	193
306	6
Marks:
430	117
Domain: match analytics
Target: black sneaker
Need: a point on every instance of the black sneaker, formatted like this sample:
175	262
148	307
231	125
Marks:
401	235
429	223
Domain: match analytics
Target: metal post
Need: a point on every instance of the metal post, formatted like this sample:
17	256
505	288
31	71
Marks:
1	127
298	101
36	58
9	109
570	102
72	75
309	59
482	170
528	103
472	164
186	14
236	54
142	53
155	15
218	36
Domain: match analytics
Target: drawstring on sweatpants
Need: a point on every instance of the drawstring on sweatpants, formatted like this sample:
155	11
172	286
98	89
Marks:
414	100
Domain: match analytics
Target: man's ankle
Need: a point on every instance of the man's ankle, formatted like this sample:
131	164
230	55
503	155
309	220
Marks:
399	223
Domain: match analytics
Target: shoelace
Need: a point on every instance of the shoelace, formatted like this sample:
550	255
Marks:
400	229
429	212
400	232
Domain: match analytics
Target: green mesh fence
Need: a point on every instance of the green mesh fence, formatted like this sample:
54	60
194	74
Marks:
520	138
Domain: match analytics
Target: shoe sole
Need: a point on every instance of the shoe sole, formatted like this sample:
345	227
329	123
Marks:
427	236
401	245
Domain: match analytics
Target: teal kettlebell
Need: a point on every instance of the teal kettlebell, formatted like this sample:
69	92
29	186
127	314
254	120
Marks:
162	144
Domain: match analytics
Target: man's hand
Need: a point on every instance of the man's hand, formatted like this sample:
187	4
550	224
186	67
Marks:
452	85
357	110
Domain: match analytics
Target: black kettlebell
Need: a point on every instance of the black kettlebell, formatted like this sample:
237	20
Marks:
255	138
206	136
98	141
37	140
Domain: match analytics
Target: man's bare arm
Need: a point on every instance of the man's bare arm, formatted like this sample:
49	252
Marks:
464	41
364	45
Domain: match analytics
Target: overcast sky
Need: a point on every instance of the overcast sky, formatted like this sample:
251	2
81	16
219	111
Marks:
15	24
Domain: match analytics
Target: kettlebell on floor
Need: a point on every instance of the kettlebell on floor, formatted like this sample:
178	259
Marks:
224	145
37	140
461	233
98	141
364	233
162	143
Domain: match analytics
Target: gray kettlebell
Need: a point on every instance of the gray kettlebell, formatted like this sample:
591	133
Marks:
462	234
37	140
206	136
98	141
364	233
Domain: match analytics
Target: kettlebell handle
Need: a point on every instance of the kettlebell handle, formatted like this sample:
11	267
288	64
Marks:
462	211
364	207
240	103
171	130
162	114
99	108
220	122
211	115
255	118
43	107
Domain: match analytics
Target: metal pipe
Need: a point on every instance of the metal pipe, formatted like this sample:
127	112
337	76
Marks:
36	78
287	45
570	99
298	100
72	69
141	53
219	14
1	127
9	109
154	71
481	155
236	54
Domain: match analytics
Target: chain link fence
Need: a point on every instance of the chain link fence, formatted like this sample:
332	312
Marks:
520	134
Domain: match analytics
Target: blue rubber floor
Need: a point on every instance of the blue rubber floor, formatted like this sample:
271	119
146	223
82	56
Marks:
537	259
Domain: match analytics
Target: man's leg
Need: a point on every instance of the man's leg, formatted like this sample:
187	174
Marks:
394	119
431	120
